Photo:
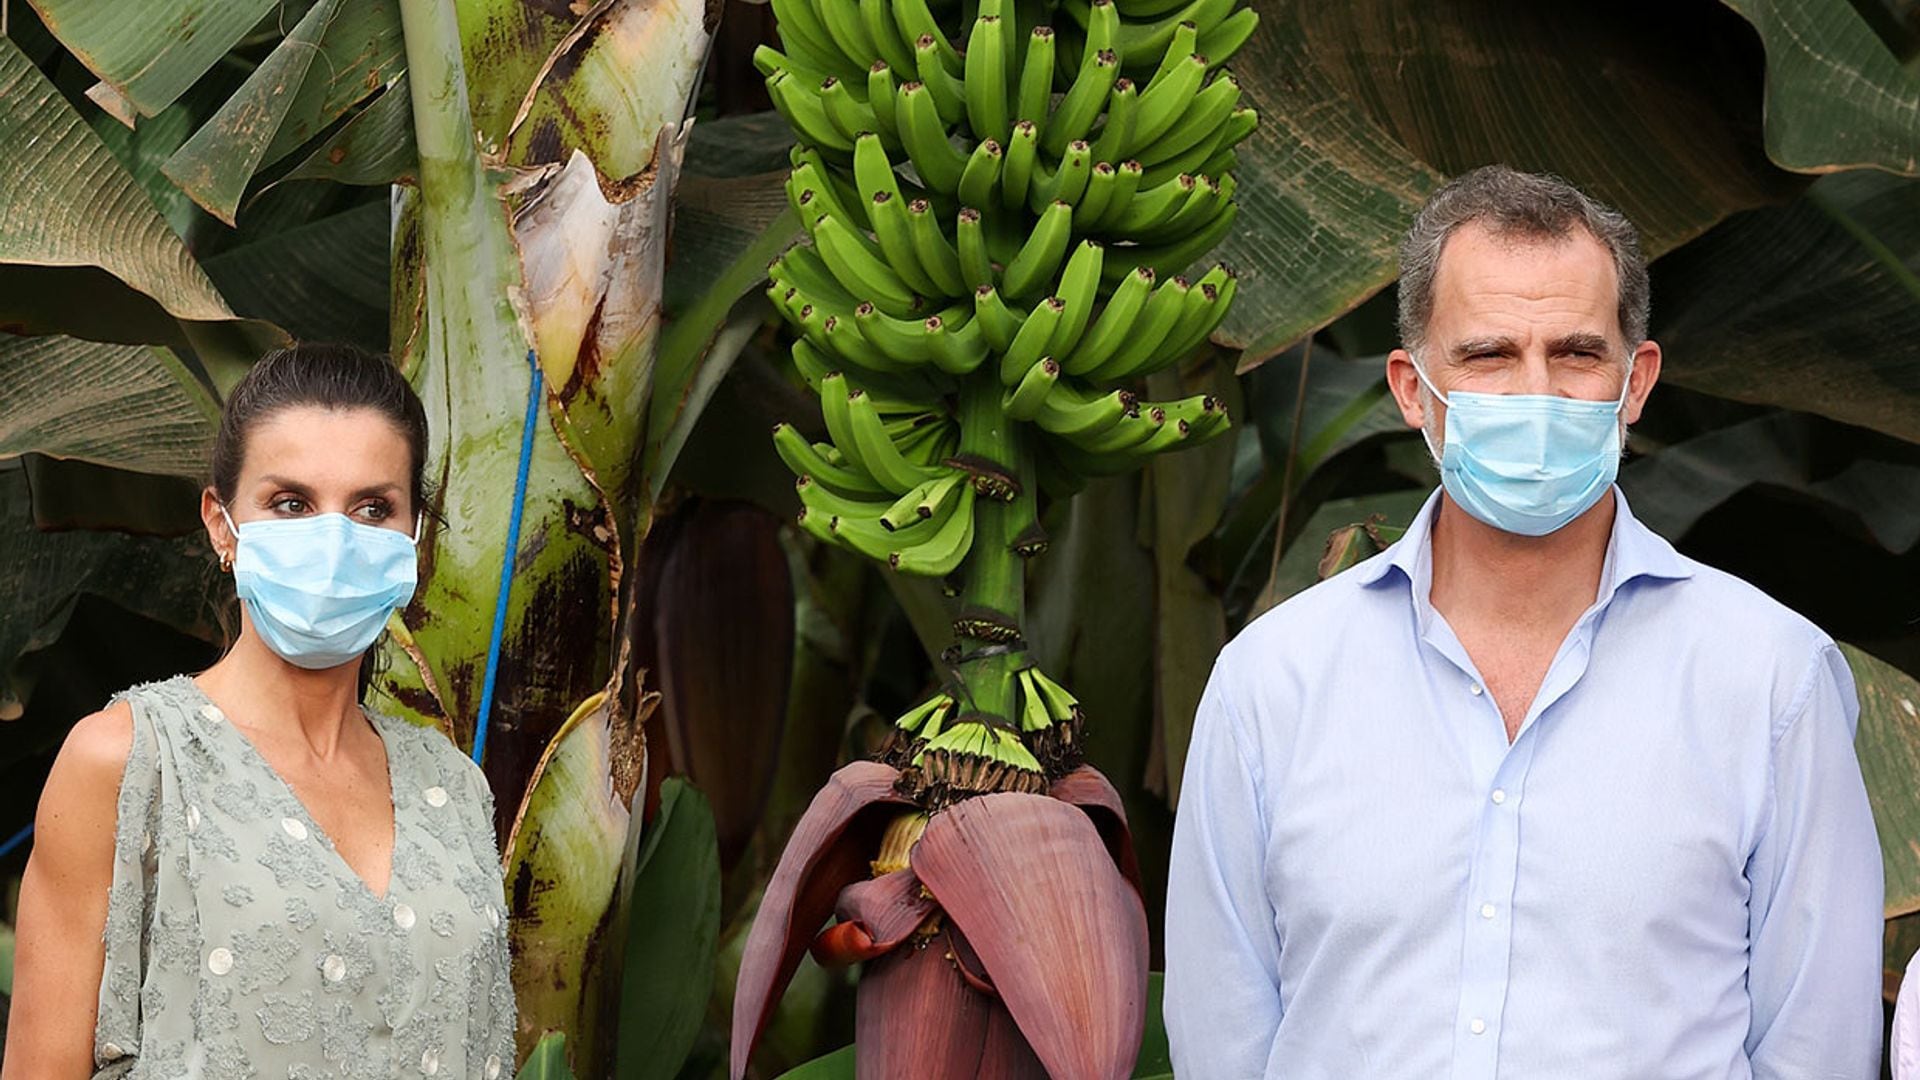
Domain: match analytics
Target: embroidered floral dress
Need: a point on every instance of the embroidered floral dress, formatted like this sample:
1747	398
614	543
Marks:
240	945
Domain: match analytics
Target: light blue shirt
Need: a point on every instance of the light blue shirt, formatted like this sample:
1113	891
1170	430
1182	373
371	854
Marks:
1671	872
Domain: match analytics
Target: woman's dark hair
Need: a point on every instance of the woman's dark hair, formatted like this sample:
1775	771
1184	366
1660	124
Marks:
329	376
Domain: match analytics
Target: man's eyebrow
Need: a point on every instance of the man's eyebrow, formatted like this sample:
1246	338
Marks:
1579	342
1504	346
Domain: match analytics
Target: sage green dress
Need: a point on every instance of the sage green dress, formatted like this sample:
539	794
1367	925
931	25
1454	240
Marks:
240	945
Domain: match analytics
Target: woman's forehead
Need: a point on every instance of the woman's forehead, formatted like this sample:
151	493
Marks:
320	446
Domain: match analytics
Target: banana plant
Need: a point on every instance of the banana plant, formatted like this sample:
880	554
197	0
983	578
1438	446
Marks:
992	269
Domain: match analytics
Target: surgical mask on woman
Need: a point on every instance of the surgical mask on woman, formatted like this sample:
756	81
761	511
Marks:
1527	463
320	588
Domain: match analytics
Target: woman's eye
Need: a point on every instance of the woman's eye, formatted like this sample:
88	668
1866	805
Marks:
375	511
289	505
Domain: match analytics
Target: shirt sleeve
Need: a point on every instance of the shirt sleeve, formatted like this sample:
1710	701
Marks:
1222	991
1815	908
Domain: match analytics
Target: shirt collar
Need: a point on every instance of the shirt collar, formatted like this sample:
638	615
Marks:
1633	551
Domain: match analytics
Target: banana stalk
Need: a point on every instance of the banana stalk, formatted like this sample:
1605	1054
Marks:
1036	274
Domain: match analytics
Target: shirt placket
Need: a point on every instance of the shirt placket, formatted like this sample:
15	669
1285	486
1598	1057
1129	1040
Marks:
1499	773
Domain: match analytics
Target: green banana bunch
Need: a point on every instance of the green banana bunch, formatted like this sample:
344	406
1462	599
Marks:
1001	221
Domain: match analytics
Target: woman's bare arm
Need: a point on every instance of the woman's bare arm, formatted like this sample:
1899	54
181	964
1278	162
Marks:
63	904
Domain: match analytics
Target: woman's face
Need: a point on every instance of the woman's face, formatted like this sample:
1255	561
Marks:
308	460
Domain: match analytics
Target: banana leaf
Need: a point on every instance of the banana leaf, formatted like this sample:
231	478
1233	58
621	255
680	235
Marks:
1364	109
93	255
324	281
548	1060
134	407
1888	744
670	903
1812	306
152	60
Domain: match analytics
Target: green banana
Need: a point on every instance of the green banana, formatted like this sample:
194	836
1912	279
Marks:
941	553
933	250
802	267
1144	43
1166	99
806	38
1066	414
803	110
1115	323
876	453
848	30
767	60
1190	160
1185	410
849	115
1079	288
873	169
1149	331
864	534
1226	37
1030	341
842	338
1222	163
959	344
1149	207
834	396
882	97
1032	268
1093	202
1173	257
924	501
1033	710
908	341
916	21
1116	132
1182	43
819	498
1205	113
1067	183
1212	422
811	173
1073	119
1199	206
976	266
980	180
924	135
890	224
1189	334
1016	170
1240	124
819	526
1132	430
948	89
986	79
891	393
861	269
1035	91
1023	402
805	459
1126	182
877	17
998	323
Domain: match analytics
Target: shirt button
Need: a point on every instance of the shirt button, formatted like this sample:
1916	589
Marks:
333	967
403	916
220	961
493	916
1486	911
429	1062
1475	690
193	818
293	828
436	796
212	713
1499	796
1478	1027
493	1066
110	1050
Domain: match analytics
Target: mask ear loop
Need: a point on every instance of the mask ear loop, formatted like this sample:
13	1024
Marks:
226	560
1426	433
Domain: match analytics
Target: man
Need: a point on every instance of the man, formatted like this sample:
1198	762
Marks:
1528	794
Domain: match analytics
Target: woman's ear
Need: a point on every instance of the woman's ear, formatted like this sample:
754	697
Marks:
219	533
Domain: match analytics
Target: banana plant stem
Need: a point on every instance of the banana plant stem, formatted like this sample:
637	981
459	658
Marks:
992	577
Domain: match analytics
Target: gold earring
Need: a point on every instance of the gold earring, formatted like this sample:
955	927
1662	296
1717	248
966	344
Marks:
226	563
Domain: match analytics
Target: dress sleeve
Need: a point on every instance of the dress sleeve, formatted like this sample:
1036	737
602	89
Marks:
116	1032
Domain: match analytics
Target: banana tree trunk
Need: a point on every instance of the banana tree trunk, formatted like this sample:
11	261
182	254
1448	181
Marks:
548	150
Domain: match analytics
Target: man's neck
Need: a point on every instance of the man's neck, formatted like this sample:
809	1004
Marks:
1484	575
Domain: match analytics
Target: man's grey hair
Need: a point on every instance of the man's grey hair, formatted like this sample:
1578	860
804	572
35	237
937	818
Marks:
1516	205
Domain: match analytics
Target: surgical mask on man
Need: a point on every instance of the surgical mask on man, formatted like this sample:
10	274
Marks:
1527	463
319	589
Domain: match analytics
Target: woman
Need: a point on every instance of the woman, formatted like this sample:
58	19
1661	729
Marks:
244	873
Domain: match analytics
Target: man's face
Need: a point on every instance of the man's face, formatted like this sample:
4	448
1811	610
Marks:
1522	316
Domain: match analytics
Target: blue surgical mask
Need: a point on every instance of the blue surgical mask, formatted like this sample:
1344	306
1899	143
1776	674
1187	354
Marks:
319	589
1527	463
